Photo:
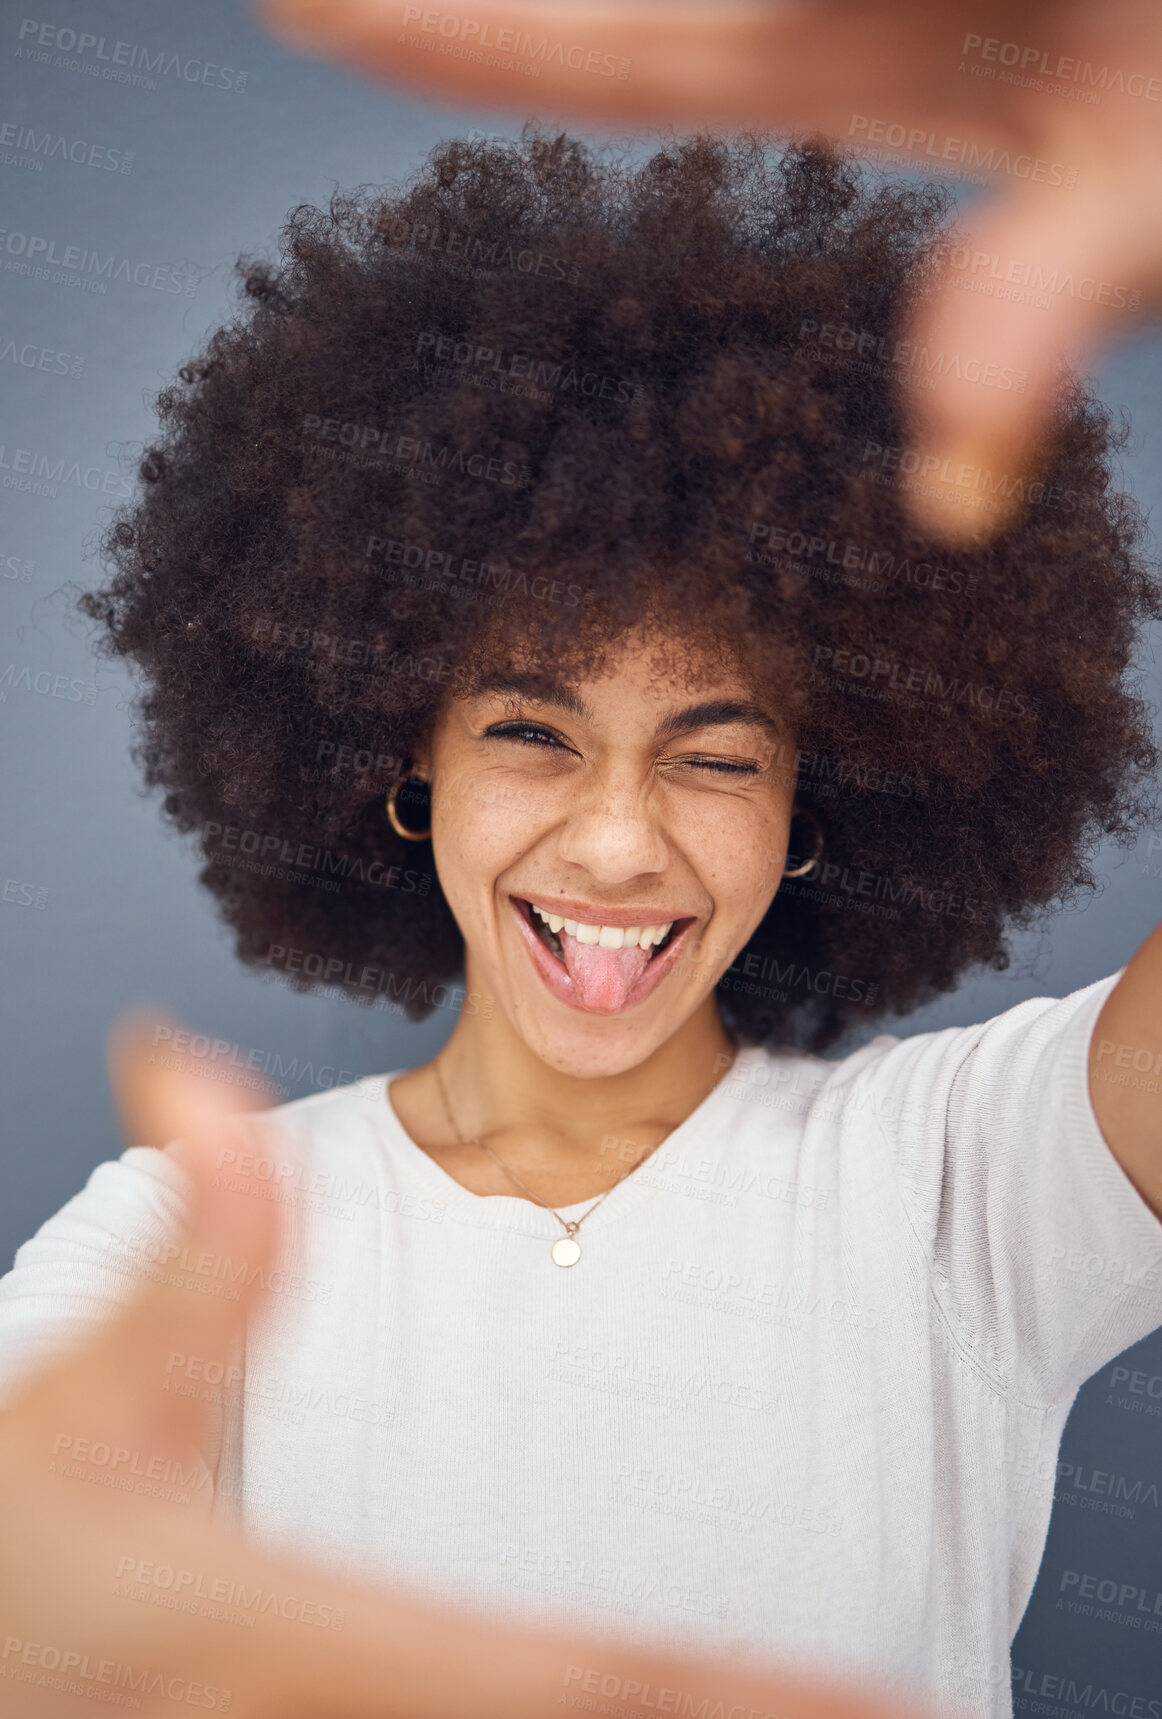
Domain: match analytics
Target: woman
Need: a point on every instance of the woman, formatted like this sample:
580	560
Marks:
531	624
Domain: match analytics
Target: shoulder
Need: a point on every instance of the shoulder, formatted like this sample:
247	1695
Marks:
144	1193
902	1077
1035	1041
334	1128
797	1083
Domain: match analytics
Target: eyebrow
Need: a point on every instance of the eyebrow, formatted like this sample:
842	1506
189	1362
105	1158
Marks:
711	713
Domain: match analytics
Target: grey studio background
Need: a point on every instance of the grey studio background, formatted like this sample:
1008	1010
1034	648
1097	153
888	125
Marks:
178	171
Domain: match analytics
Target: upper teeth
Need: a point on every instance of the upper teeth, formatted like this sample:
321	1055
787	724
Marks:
608	936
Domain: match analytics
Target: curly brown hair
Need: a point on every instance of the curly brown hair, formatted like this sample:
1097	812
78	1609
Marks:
539	393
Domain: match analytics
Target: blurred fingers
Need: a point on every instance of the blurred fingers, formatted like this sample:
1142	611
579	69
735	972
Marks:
1037	284
745	63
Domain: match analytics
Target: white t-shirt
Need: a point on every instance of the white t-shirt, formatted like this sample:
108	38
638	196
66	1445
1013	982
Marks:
801	1397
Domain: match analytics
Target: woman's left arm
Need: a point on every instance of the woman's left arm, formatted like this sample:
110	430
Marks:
1125	1071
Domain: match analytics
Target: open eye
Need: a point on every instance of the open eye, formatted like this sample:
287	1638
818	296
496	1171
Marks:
529	733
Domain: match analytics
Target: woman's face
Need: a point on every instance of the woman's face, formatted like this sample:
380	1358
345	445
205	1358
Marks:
622	802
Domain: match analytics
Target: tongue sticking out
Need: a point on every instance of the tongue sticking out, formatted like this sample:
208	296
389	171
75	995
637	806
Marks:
603	977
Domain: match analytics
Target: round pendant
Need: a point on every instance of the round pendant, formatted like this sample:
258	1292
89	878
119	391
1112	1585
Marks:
566	1251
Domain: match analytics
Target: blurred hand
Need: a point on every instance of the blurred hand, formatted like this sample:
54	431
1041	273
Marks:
81	1614
1077	197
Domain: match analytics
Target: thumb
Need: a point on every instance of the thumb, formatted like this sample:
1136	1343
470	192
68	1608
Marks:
205	1282
188	1319
1036	286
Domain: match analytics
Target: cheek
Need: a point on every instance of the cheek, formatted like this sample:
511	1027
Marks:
745	888
485	813
740	853
479	828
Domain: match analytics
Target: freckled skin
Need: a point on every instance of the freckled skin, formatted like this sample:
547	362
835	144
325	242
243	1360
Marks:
614	816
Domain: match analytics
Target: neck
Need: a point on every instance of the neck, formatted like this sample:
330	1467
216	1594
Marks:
497	1084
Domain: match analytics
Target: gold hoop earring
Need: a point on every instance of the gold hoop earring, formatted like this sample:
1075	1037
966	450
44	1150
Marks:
393	816
808	864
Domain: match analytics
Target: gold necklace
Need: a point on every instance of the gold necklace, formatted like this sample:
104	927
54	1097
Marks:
566	1250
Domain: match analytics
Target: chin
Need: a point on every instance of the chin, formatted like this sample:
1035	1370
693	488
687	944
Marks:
610	1047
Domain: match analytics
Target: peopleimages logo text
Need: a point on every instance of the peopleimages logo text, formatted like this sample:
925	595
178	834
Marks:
34	248
509	41
129	56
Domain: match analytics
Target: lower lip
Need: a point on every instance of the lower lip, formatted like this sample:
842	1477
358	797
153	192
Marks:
558	982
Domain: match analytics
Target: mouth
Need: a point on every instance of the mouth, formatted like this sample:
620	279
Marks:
597	968
550	926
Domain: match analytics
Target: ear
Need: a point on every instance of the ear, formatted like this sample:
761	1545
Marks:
421	758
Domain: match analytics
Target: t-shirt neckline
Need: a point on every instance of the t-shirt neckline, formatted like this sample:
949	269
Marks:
512	1211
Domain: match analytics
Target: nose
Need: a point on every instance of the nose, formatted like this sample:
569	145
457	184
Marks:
613	831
